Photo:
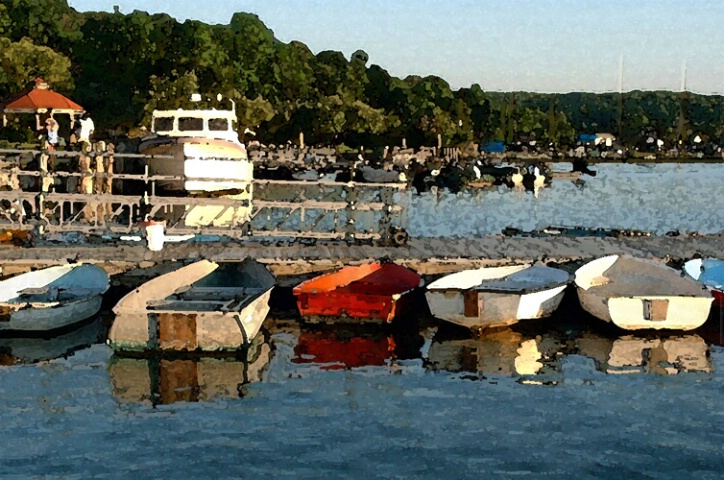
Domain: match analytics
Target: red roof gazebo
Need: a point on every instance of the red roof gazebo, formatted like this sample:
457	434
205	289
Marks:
40	99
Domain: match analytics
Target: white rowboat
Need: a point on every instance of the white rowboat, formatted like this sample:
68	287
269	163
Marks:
52	298
638	294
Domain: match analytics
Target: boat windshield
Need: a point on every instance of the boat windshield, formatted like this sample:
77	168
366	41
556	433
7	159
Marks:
197	123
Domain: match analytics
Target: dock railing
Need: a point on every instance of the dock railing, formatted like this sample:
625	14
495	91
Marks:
52	192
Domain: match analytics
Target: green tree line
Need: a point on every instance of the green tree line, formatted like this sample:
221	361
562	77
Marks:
122	66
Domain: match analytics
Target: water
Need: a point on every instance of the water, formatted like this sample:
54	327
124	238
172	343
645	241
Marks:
652	197
564	398
659	198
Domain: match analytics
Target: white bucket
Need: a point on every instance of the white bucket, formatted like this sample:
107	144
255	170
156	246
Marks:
155	236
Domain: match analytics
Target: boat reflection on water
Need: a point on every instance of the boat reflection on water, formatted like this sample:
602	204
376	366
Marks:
62	343
336	350
668	355
537	359
503	352
163	380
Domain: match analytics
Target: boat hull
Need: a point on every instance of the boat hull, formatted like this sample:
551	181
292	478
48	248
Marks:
174	331
208	164
351	308
696	267
477	310
648	312
44	317
638	294
51	298
718	297
375	293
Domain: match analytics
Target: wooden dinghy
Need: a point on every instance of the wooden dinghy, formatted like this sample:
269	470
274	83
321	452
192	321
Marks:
204	307
374	292
497	296
709	272
52	298
638	294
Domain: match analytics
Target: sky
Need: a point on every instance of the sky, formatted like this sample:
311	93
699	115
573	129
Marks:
502	45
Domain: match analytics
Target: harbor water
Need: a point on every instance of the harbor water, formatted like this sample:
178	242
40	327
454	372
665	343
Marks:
566	397
560	398
657	198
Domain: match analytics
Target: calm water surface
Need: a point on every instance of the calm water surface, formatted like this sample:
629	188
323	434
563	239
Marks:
653	197
562	398
658	198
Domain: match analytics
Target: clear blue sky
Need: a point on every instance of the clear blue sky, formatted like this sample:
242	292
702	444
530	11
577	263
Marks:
534	45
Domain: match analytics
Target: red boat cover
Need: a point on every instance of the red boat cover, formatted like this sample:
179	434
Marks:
366	291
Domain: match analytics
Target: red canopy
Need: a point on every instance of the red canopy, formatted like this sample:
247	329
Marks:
40	99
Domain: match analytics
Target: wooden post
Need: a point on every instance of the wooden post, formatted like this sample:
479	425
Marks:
404	143
439	141
301	139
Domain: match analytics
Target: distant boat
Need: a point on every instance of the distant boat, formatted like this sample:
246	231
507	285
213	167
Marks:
198	152
52	298
710	272
637	294
497	296
374	292
202	307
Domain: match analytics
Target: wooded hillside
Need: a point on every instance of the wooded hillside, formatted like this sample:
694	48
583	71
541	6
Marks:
120	67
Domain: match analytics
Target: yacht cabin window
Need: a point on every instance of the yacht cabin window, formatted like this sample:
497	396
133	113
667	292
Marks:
186	124
163	124
218	124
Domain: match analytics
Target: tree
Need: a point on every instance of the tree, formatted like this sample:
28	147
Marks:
5	21
167	92
46	22
23	61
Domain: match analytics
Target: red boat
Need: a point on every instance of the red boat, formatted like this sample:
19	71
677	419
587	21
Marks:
374	292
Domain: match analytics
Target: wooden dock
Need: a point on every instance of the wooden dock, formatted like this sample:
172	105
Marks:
429	256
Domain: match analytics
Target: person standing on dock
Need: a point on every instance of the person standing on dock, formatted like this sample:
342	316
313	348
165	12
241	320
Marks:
87	127
50	142
50	126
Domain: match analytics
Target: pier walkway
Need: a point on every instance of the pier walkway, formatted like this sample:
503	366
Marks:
429	256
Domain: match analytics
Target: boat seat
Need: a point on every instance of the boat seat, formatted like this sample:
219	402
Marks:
600	280
223	290
189	305
34	291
